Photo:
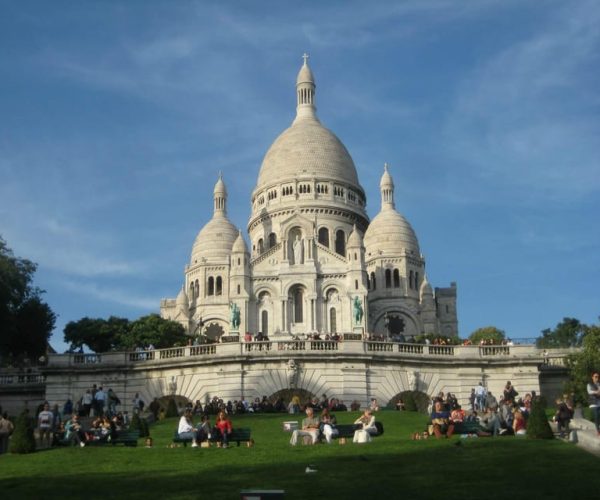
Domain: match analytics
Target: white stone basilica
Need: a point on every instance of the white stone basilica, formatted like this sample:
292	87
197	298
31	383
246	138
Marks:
317	263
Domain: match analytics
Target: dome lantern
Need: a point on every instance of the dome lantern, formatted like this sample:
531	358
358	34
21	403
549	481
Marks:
220	196
305	92
387	189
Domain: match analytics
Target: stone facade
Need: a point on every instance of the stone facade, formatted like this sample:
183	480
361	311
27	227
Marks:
315	258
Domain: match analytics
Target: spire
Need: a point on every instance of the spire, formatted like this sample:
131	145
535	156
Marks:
305	91
387	189
220	196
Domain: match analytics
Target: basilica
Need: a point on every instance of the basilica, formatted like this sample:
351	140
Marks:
315	263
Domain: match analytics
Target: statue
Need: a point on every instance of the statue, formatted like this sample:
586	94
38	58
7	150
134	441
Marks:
234	316
298	246
412	381
357	310
292	372
173	386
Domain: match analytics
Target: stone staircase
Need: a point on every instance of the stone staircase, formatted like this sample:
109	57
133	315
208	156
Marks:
583	432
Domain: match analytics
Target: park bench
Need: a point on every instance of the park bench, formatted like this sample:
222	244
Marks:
346	431
467	427
238	435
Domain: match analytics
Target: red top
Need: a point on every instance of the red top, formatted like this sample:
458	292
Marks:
224	426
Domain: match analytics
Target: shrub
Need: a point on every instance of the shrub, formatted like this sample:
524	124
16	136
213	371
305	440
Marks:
172	409
135	424
23	440
537	423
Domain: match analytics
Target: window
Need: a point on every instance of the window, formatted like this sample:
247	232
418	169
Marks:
298	305
219	286
211	286
264	319
396	278
356	284
197	289
324	236
416	281
411	280
239	289
373	281
272	240
192	291
388	278
340	242
261	247
332	320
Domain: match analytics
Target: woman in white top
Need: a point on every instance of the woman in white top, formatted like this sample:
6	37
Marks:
366	423
186	429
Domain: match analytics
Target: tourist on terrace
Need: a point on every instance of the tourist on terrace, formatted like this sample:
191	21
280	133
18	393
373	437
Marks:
310	428
222	429
593	390
186	429
365	427
440	420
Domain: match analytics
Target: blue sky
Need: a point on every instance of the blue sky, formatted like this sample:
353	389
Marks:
116	117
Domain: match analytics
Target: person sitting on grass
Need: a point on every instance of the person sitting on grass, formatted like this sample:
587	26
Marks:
365	427
328	425
186	430
222	429
310	428
440	420
519	423
74	432
490	423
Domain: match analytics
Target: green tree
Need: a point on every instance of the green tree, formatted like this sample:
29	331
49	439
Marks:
153	329
487	333
584	363
537	423
99	335
23	440
568	333
26	322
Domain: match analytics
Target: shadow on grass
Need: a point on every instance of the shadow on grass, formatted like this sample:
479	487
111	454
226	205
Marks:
449	470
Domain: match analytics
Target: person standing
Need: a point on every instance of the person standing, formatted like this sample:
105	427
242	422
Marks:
45	424
593	390
6	429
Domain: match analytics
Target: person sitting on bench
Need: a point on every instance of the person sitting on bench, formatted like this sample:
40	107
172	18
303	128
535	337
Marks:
222	429
365	427
310	428
186	429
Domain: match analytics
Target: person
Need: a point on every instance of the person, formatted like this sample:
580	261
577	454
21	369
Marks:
490	422
155	408
99	401
6	429
74	432
480	393
223	429
186	429
87	401
68	407
563	416
149	442
374	406
204	429
45	424
138	404
593	390
310	428
365	427
519	423
294	406
440	420
510	392
327	425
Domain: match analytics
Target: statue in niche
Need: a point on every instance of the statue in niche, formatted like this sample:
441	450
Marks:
357	310
292	373
173	386
298	246
412	381
234	316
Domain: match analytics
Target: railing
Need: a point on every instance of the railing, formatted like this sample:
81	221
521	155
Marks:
265	254
11	379
307	347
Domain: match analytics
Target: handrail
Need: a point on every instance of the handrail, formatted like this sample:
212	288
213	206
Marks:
327	250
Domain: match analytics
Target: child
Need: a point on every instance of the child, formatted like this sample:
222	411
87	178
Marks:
563	415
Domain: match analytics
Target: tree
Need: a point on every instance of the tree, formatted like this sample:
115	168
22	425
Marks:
487	333
584	363
537	423
97	334
26	322
23	440
568	333
153	329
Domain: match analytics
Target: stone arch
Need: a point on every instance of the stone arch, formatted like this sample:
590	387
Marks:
287	394
420	401
411	324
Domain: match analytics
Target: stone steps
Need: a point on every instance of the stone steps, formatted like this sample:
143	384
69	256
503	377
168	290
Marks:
583	432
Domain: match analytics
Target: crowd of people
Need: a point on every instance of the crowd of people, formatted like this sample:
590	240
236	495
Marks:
203	431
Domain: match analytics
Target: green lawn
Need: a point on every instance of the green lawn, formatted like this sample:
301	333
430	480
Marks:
392	466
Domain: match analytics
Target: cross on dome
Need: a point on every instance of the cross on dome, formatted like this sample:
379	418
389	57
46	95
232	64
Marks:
305	56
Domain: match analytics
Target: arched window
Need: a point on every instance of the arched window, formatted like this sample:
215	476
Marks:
388	278
355	256
356	284
219	286
264	320
192	291
211	286
261	247
373	282
332	320
396	278
340	242
239	261
324	236
411	280
238	289
197	289
416	281
298	305
272	240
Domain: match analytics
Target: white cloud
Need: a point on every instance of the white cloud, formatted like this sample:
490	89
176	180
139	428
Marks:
113	295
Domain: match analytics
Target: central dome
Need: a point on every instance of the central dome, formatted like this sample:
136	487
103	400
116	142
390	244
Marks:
307	148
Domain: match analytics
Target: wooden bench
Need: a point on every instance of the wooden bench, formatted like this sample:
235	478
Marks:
126	437
238	435
346	431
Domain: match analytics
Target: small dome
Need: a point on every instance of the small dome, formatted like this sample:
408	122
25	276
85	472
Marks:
215	239
239	245
305	75
220	186
182	300
389	233
355	238
425	287
386	179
